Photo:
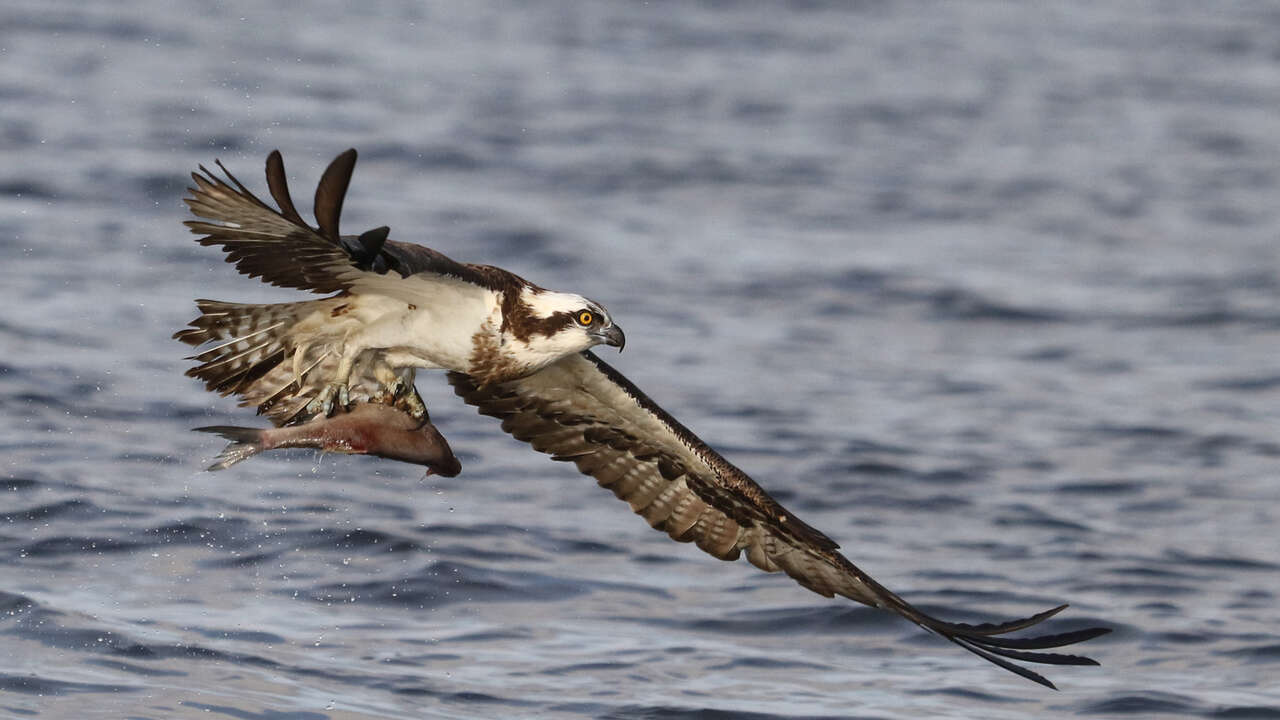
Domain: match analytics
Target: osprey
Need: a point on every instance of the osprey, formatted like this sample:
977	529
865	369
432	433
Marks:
517	352
398	306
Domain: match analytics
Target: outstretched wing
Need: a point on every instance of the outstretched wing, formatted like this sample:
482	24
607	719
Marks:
282	249
583	411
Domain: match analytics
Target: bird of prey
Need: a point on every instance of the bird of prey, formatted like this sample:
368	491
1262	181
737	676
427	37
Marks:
398	306
519	353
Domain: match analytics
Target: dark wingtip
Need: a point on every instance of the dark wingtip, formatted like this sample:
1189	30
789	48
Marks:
1018	670
278	185
999	628
330	193
985	641
1042	642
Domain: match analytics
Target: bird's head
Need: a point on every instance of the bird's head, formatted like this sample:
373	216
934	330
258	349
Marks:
552	325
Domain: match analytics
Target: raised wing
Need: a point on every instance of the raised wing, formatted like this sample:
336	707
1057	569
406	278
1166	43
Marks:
282	249
583	411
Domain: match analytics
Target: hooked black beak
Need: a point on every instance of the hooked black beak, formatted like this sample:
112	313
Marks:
614	336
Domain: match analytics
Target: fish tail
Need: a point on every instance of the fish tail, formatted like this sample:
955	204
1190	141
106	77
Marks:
245	443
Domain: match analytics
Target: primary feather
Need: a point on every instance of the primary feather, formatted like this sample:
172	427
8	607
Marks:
581	410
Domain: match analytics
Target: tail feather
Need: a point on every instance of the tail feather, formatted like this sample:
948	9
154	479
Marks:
228	359
217	351
245	443
288	389
251	341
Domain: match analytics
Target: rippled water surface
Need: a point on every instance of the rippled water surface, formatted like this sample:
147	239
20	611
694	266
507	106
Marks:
988	292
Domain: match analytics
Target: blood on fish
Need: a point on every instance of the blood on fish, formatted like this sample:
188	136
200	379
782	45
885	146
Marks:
366	429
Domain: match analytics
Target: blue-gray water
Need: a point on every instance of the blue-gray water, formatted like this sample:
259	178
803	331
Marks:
988	292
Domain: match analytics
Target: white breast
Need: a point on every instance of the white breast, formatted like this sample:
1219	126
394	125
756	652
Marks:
437	332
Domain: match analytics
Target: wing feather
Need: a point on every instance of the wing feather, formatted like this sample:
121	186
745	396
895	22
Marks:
278	185
330	193
279	247
261	242
582	410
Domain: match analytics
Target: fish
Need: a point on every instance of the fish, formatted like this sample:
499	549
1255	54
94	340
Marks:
366	429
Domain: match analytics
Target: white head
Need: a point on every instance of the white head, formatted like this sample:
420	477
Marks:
543	326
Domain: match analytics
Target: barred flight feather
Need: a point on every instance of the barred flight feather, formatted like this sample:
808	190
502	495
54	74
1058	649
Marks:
581	409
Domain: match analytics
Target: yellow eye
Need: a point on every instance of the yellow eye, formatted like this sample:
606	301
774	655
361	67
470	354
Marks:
585	317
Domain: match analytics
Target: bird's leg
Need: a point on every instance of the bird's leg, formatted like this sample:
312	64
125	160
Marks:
335	394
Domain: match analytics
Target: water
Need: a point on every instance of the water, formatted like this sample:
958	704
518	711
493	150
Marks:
987	292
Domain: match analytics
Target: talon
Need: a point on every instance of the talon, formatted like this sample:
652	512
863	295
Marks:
412	404
404	397
318	405
313	408
324	402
